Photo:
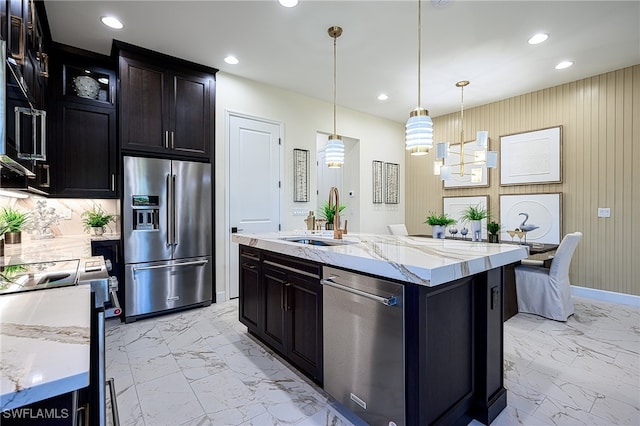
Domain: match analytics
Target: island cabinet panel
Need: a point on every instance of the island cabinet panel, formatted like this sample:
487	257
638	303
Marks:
275	284
250	288
454	351
281	304
304	300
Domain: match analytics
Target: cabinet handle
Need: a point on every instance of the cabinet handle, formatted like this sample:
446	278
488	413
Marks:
172	144
248	266
166	139
285	297
16	22
113	182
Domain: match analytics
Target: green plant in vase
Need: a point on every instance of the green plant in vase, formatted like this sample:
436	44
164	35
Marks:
96	219
475	214
329	213
493	229
439	222
13	222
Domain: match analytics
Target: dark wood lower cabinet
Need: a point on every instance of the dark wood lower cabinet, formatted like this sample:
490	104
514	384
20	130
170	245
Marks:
281	304
250	288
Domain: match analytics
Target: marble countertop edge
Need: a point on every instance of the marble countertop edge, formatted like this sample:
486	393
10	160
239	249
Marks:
419	260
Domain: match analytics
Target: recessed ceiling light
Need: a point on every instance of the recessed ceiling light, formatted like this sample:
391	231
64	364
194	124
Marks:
538	38
288	3
112	22
382	97
564	64
231	60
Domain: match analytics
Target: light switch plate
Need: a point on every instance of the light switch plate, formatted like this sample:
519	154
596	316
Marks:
604	212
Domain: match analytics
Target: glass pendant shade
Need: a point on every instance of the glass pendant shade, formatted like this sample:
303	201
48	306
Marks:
419	132
334	152
482	138
492	159
442	150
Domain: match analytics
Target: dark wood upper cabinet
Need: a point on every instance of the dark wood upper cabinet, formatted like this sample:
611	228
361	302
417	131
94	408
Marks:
166	104
83	124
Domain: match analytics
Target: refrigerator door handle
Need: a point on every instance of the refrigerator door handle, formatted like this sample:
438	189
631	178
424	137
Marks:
169	211
175	211
146	268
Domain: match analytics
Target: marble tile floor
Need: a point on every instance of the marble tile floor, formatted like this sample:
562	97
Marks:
200	367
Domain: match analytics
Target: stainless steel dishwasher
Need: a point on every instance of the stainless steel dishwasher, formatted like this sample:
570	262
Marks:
363	347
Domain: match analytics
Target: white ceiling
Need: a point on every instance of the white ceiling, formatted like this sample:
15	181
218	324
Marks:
481	41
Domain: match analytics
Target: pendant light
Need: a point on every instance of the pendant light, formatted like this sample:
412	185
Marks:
419	128
334	151
479	157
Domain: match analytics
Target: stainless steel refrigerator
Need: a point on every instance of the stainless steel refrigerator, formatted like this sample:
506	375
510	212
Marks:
167	233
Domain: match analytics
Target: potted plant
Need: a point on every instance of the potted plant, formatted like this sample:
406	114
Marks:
3	230
96	219
329	213
493	229
475	214
14	222
439	222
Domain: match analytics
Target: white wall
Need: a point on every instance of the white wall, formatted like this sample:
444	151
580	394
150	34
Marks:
302	117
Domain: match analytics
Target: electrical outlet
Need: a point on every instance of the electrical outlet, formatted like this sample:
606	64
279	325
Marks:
65	214
604	212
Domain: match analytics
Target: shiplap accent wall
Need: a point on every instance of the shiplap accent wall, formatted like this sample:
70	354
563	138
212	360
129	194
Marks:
600	116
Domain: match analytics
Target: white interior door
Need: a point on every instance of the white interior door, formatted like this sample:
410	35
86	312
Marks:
254	187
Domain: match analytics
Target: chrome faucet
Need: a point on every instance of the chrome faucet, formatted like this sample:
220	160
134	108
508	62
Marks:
337	232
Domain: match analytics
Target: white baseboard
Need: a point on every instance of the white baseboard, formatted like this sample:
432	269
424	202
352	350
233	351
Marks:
606	296
221	296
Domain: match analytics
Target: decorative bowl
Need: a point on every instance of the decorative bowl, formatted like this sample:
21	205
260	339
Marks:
86	87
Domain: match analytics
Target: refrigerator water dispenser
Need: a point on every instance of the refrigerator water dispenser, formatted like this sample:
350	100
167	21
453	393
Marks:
146	212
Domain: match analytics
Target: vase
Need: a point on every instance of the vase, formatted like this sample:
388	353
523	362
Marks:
1	247
476	230
13	237
97	230
328	226
438	231
493	238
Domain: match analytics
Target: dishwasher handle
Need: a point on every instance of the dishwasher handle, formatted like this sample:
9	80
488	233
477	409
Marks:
387	301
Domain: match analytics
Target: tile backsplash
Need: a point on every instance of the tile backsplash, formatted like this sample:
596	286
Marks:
69	207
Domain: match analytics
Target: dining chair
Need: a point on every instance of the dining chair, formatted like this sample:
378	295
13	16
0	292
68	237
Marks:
547	291
398	229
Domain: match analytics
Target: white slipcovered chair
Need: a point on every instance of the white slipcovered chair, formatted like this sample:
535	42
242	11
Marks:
547	292
398	229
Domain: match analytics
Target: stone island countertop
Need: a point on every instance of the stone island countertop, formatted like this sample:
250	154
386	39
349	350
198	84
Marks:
419	260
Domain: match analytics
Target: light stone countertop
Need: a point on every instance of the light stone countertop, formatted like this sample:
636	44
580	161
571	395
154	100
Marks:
44	345
59	248
419	260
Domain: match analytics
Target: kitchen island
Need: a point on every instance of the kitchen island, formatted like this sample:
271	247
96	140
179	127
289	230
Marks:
451	328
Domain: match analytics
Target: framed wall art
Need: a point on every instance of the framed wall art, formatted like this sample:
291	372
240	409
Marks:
540	215
454	206
300	175
473	175
392	180
532	157
377	182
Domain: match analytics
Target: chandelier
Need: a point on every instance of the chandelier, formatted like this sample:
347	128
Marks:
419	127
477	158
334	150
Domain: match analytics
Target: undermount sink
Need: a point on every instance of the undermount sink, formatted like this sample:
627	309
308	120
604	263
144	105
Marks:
317	241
